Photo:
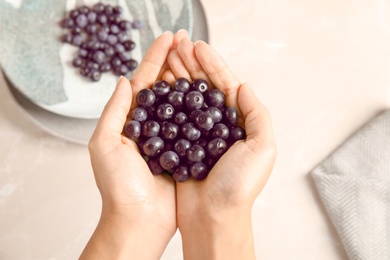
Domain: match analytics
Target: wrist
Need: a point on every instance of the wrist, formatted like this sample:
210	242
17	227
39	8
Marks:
119	236
218	235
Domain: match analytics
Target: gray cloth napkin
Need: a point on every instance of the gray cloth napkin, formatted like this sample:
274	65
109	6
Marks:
354	186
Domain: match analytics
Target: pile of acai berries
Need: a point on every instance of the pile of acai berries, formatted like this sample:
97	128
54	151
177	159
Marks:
183	130
103	40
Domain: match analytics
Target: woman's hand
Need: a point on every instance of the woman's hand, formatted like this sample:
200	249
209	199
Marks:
138	209
214	215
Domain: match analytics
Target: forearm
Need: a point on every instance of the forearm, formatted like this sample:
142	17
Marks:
120	238
228	237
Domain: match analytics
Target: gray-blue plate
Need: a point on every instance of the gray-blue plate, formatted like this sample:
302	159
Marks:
39	65
79	130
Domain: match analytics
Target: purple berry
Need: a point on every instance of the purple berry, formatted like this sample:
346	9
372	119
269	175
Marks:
105	67
154	166
146	98
220	130
98	8
199	171
230	115
182	85
175	98
196	153
137	24
200	85
194	100
215	98
77	62
169	160
95	75
190	132
165	111
82	20
205	121
150	128
161	88
216	113
217	147
125	25
112	39
237	133
181	146
91	16
132	129
181	174
169	130
131	64
180	118
139	114
153	146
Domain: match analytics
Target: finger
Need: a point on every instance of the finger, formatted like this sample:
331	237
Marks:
148	70
181	34
114	114
169	77
186	51
177	65
218	71
258	125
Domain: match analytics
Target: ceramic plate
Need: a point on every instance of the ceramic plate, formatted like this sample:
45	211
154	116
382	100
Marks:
79	130
39	65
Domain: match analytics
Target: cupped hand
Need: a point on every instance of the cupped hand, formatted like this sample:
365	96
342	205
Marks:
128	189
233	184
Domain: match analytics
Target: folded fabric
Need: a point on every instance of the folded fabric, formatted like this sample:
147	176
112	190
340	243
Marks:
354	186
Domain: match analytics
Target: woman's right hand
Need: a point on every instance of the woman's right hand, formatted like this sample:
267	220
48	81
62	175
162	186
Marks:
214	215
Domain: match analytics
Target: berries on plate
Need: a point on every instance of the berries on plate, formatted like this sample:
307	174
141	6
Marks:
102	37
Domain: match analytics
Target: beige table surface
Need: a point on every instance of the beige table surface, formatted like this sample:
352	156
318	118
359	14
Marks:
321	67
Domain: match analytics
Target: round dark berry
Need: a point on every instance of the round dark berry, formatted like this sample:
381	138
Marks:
153	146
165	111
132	129
217	147
169	130
237	133
161	88
199	171
204	121
182	85
190	132
175	98
169	160
146	98
194	100
196	153
150	128
230	115
154	166
181	146
220	130
180	118
139	114
181	174
216	113
200	85
215	98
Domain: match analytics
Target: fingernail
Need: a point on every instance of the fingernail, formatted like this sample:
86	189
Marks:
120	80
182	31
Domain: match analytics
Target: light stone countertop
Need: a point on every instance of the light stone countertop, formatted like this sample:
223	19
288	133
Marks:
321	67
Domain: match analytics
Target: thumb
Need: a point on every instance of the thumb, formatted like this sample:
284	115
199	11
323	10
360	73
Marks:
257	120
115	112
